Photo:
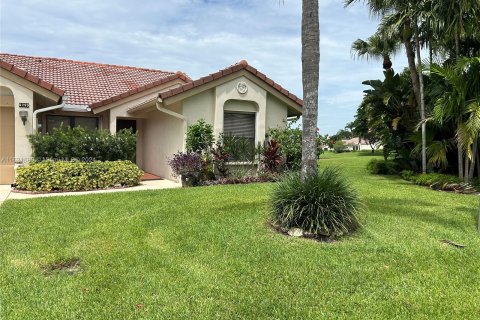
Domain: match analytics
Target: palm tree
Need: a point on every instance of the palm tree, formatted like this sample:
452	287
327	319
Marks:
377	46
399	20
460	102
458	20
310	79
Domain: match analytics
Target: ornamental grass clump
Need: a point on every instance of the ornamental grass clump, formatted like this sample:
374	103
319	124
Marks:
323	204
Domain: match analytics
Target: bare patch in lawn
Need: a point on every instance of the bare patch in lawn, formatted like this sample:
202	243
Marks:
307	235
70	266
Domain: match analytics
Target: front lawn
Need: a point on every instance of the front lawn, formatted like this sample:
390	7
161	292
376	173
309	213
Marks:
207	252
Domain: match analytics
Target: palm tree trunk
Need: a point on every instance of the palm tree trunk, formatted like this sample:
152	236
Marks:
460	160
478	166
422	102
474	158
465	175
310	78
413	69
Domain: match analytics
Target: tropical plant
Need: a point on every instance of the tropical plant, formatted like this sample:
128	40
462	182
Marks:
186	163
220	158
290	138
241	149
200	137
377	46
460	103
271	158
323	204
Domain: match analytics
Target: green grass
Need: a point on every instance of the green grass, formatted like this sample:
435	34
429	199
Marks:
207	252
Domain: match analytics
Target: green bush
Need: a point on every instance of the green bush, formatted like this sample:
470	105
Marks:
339	146
200	137
431	179
240	149
388	167
290	140
323	204
50	175
86	145
407	174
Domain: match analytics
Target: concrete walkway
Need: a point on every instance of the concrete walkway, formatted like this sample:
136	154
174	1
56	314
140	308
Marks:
6	193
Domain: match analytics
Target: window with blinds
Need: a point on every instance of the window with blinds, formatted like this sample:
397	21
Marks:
88	123
239	125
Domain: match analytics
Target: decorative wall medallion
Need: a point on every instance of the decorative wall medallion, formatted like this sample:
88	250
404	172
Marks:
242	87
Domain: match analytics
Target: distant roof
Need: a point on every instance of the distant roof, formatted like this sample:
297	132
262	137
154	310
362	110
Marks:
355	141
86	83
242	65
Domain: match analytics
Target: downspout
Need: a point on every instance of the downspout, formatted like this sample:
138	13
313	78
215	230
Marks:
159	105
36	112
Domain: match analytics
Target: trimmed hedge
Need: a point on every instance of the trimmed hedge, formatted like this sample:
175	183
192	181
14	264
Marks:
50	175
65	144
387	167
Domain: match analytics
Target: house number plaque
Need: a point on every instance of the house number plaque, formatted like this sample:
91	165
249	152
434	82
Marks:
25	105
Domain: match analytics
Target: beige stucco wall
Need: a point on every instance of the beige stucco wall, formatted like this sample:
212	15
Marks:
228	91
276	112
162	137
200	106
21	94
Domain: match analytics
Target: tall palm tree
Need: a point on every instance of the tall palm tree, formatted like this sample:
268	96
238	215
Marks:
310	79
402	20
458	20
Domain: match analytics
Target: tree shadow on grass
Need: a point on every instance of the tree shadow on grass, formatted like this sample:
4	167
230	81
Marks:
429	212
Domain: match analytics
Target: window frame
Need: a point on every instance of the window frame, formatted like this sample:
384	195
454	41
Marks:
72	121
252	114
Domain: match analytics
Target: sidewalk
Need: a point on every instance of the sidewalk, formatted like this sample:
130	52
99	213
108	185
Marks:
5	190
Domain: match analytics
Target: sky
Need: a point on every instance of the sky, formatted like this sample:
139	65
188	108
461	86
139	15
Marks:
199	37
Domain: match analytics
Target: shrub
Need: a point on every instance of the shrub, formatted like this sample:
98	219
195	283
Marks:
87	145
50	175
339	146
271	158
438	181
323	204
220	158
240	149
290	140
189	163
200	137
388	167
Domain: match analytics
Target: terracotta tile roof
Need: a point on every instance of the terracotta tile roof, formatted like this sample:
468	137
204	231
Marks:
242	65
30	77
86	83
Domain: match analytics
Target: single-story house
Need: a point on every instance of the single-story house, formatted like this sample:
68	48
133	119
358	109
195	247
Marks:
359	144
39	94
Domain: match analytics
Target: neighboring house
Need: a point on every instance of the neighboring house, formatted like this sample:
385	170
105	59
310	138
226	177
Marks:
358	144
44	93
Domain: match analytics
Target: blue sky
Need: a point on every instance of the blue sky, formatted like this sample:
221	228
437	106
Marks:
200	37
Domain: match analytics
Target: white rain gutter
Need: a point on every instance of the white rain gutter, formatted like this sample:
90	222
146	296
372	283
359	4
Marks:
159	105
36	112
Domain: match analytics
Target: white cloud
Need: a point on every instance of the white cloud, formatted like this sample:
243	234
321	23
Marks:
200	37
